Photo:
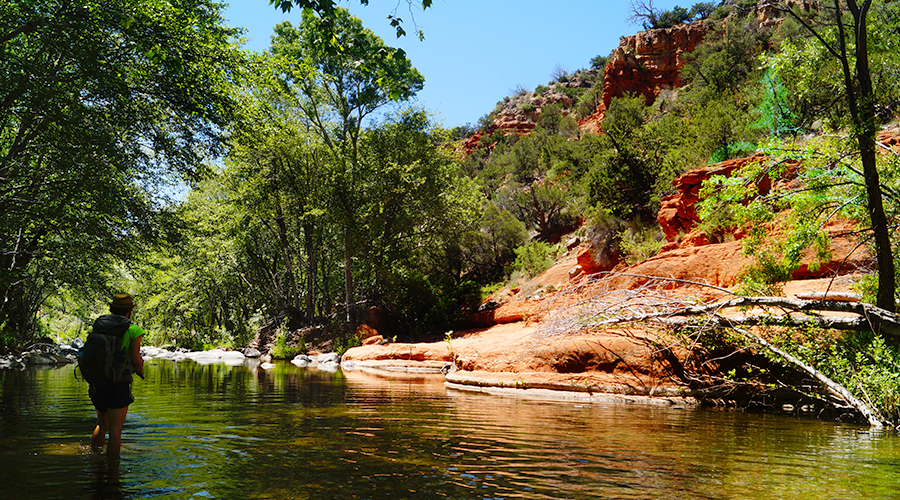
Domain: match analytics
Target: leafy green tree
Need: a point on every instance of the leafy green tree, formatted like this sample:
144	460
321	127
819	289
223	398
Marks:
812	79
534	258
276	168
336	91
621	178
556	121
486	253
415	203
587	102
669	18
326	10
599	62
100	106
702	10
722	128
846	39
544	204
725	60
279	181
643	12
635	159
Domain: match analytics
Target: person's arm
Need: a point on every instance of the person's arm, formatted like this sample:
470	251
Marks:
136	360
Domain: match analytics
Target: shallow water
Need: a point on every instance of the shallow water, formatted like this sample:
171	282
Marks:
213	431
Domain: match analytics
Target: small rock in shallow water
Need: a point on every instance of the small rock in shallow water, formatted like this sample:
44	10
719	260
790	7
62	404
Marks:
233	355
301	360
331	357
35	358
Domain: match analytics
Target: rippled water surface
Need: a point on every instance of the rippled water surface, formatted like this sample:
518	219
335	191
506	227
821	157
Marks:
213	431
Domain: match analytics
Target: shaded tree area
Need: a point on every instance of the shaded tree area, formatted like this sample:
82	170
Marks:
102	106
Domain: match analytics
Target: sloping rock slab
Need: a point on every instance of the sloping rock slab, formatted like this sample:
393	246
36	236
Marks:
399	357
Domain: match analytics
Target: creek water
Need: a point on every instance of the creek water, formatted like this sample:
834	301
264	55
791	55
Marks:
215	431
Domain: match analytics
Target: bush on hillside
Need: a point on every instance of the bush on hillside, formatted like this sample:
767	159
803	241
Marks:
534	258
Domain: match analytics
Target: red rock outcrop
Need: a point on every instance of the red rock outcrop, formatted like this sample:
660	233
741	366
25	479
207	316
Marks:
678	212
365	331
645	64
517	116
649	61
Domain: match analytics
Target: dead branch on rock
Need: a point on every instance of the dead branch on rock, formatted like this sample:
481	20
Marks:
611	299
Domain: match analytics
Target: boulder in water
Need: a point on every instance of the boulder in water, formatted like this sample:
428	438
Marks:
331	357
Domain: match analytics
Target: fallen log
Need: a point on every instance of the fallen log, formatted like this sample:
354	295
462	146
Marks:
878	319
868	317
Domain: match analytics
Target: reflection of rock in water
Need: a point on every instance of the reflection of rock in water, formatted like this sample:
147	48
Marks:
421	382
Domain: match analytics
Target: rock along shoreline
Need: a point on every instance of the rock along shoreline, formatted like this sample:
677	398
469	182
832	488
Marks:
58	355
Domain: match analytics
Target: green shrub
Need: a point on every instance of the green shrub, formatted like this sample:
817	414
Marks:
534	258
587	102
732	150
702	10
282	350
342	344
486	121
862	362
599	62
489	289
640	242
669	18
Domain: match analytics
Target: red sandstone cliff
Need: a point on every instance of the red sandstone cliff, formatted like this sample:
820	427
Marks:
644	63
650	61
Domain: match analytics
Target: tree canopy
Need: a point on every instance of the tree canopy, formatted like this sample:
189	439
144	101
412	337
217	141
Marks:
102	105
325	10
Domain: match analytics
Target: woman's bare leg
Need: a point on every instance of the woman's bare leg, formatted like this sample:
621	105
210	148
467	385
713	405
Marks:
99	435
116	420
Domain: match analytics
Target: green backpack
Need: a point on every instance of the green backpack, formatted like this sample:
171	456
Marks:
102	360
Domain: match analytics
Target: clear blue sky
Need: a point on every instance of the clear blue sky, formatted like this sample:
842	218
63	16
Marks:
476	52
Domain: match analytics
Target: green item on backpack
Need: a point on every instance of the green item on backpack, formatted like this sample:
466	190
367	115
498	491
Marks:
102	360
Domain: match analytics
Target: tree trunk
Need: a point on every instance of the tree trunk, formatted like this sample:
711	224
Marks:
310	269
863	116
348	272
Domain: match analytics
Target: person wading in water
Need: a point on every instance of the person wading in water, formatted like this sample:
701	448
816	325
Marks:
112	399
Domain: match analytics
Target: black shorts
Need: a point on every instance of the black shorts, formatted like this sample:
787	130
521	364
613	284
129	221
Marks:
113	396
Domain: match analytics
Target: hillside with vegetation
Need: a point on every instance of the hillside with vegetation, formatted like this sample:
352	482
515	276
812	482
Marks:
317	201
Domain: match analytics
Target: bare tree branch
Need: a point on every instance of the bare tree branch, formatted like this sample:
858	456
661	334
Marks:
602	301
833	387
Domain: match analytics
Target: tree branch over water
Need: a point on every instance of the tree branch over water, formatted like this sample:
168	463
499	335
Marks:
611	299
